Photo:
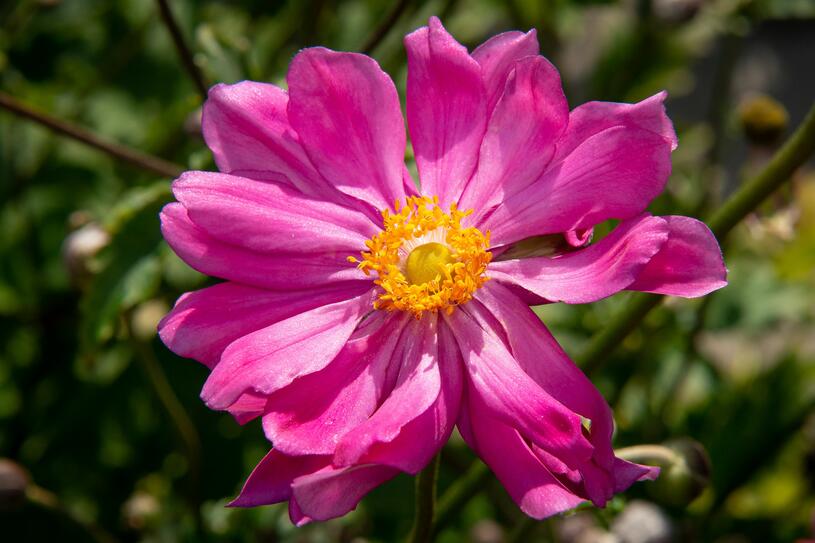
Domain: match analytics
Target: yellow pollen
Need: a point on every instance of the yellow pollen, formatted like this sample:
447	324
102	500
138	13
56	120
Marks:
424	259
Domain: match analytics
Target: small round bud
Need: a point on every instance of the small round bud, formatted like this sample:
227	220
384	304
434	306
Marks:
685	469
14	482
78	251
763	119
145	318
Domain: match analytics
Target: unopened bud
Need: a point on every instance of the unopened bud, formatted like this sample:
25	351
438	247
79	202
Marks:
78	251
763	119
13	484
685	469
145	318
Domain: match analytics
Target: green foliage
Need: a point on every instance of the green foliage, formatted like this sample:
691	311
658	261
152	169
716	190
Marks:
109	424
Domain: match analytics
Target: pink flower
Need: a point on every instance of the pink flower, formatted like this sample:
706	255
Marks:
362	319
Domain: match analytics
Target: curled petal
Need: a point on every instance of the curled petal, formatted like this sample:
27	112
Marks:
689	264
346	111
446	110
592	273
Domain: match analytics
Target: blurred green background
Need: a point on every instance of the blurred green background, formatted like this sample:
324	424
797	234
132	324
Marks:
102	434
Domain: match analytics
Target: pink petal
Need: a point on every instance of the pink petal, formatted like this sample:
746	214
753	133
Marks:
341	396
272	357
612	175
511	394
334	492
247	407
247	128
593	117
519	141
204	322
347	113
270	481
540	356
211	256
536	491
589	274
418	416
689	264
497	57
269	218
446	110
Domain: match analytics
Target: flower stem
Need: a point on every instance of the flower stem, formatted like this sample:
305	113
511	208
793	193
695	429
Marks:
116	150
798	148
425	503
460	493
182	48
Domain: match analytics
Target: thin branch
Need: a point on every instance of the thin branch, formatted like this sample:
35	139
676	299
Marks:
460	493
48	500
181	48
385	27
119	151
798	148
425	503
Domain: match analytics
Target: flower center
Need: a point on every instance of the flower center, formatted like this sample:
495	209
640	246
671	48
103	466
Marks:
424	259
426	262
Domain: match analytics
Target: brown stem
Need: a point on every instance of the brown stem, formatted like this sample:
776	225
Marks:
181	48
121	152
385	27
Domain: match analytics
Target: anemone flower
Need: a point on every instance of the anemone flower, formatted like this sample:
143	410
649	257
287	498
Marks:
363	318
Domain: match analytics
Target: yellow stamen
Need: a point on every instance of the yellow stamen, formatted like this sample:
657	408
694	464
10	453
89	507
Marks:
440	273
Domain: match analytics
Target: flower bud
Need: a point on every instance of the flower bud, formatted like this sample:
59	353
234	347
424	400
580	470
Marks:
145	318
763	119
78	251
13	484
685	469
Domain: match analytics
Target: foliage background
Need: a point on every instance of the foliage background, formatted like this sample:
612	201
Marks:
108	423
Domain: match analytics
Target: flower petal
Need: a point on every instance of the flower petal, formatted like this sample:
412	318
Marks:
521	134
497	57
612	175
283	271
270	481
269	218
341	396
589	274
511	394
446	110
689	264
592	118
334	492
418	416
205	321
247	128
347	113
540	357
536	491
272	357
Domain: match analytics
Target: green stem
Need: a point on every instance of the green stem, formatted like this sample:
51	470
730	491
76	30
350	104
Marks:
459	494
798	148
425	503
